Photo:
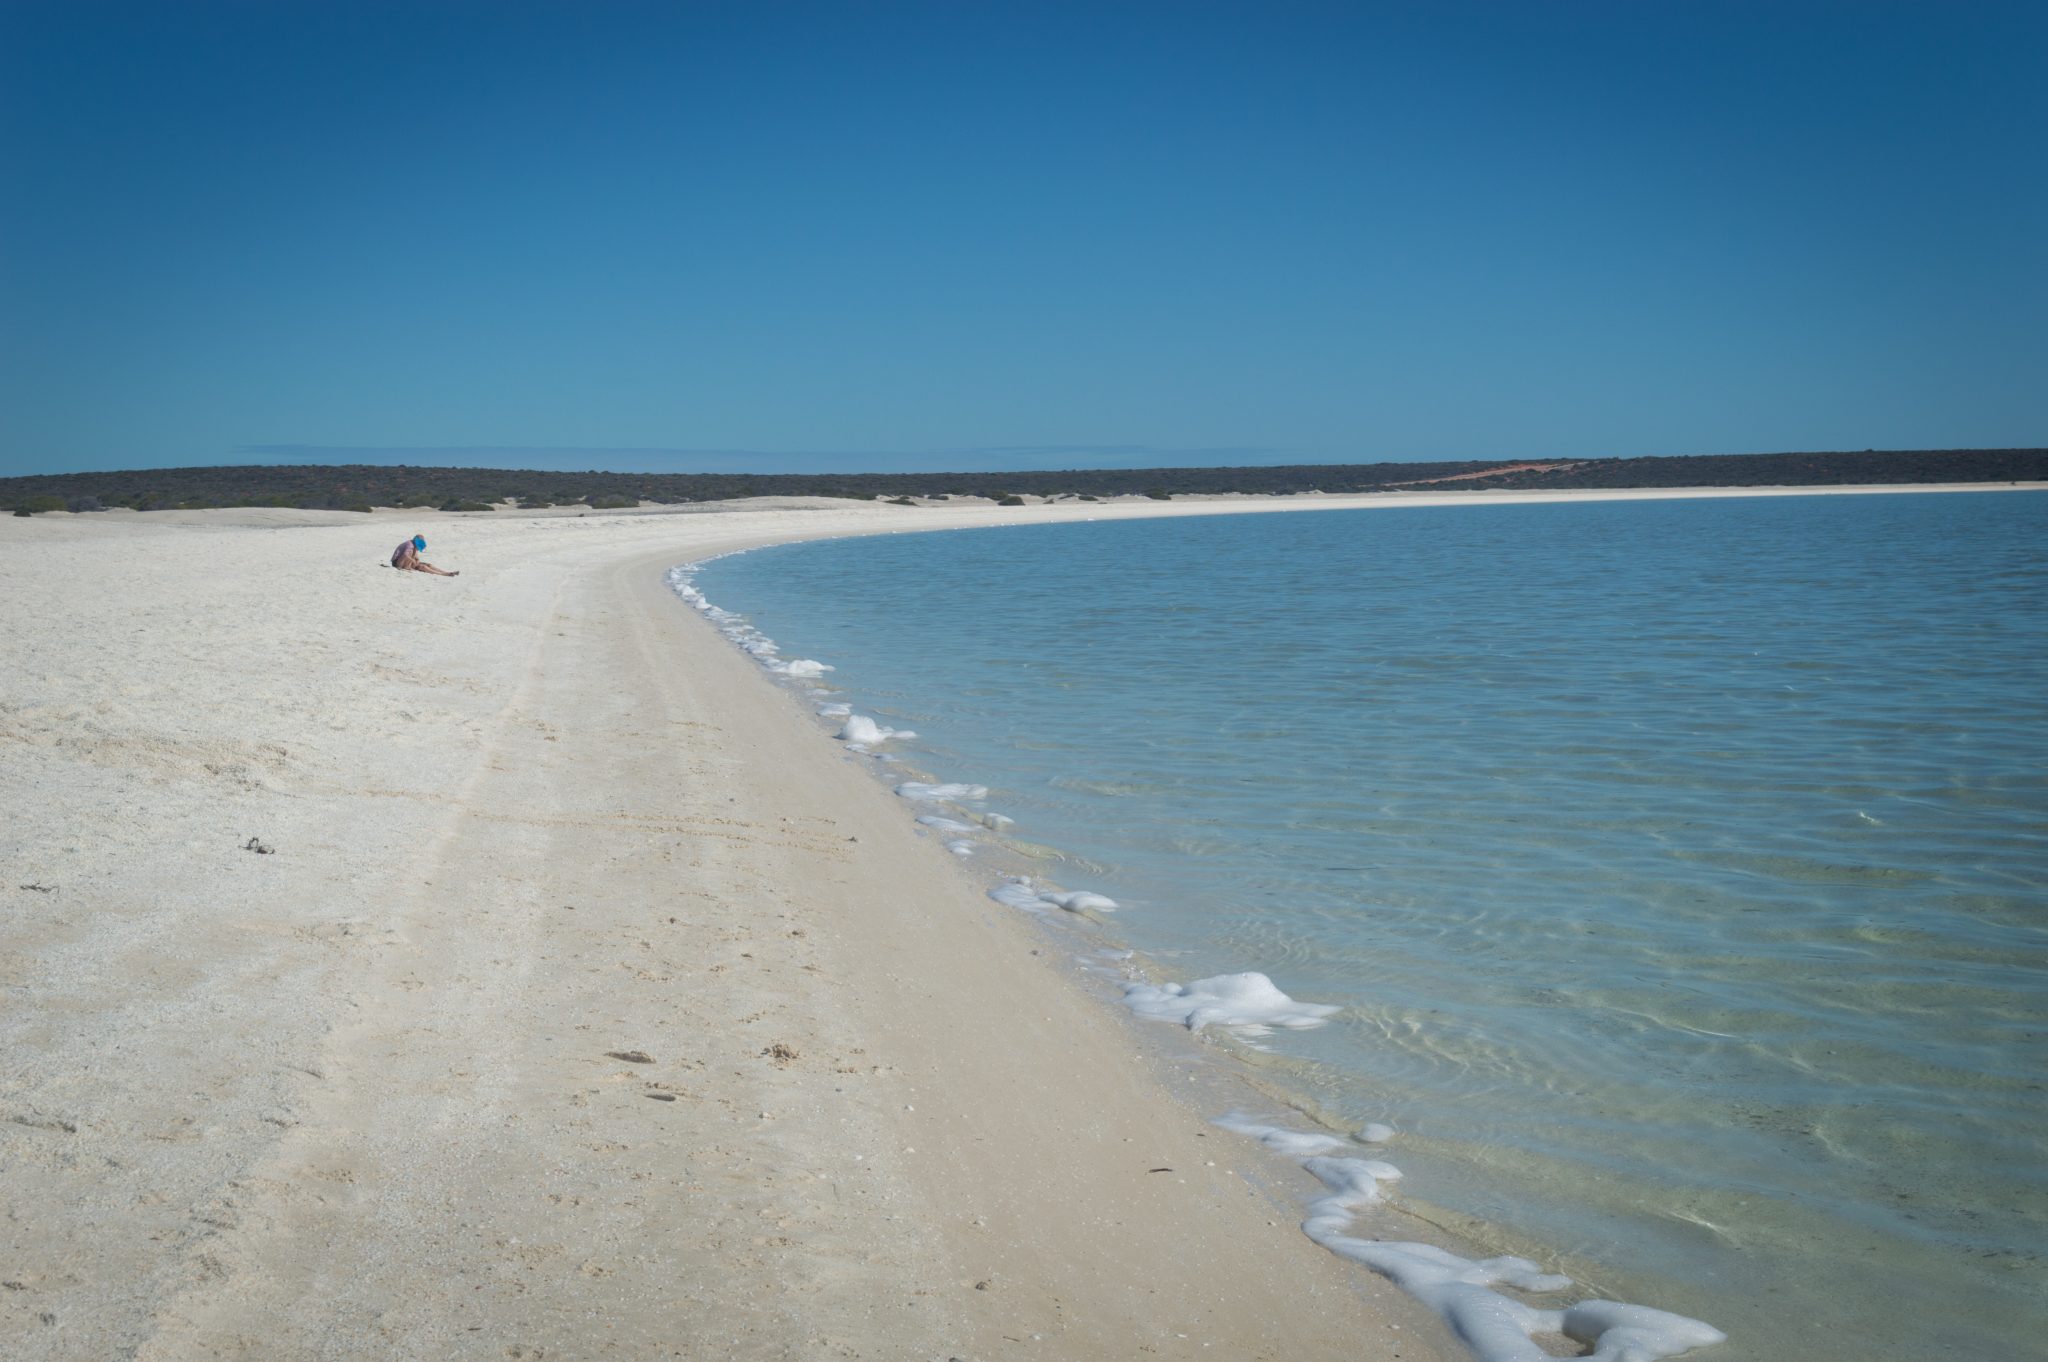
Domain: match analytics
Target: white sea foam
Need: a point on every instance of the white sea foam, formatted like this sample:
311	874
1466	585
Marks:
960	846
1082	902
1352	1183
859	728
1279	1139
1019	892
1375	1133
1634	1333
834	711
944	824
1498	1328
746	637
1248	1000
926	792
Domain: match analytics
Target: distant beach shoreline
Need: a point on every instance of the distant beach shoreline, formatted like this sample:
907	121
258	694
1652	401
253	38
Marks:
1065	508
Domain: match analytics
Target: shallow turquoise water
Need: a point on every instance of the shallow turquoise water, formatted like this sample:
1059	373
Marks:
1682	866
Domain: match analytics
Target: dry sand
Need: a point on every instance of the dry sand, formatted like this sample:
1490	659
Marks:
586	1002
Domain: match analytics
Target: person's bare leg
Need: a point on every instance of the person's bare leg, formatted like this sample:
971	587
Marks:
438	572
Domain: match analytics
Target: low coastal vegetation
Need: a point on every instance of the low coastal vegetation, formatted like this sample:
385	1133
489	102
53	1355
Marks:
361	487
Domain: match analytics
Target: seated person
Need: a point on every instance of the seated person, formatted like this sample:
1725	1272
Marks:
406	558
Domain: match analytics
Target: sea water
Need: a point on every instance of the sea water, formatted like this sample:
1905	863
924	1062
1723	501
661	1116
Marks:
1680	868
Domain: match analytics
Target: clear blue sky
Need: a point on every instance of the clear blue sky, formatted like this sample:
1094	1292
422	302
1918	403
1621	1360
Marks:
980	234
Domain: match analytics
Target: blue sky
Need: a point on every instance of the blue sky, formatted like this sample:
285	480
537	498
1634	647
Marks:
873	235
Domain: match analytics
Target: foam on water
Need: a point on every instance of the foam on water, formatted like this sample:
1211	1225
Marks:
859	728
1501	1329
751	641
944	824
1496	1326
1278	1139
1354	1183
925	791
1018	891
1246	1000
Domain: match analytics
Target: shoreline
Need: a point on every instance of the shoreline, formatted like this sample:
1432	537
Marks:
961	670
518	834
1445	1258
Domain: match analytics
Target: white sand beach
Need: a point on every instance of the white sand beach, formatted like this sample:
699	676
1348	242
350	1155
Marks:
503	967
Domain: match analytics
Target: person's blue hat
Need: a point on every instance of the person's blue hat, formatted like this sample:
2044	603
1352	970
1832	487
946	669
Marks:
419	541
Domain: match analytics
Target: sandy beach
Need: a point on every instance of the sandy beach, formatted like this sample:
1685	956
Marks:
503	967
